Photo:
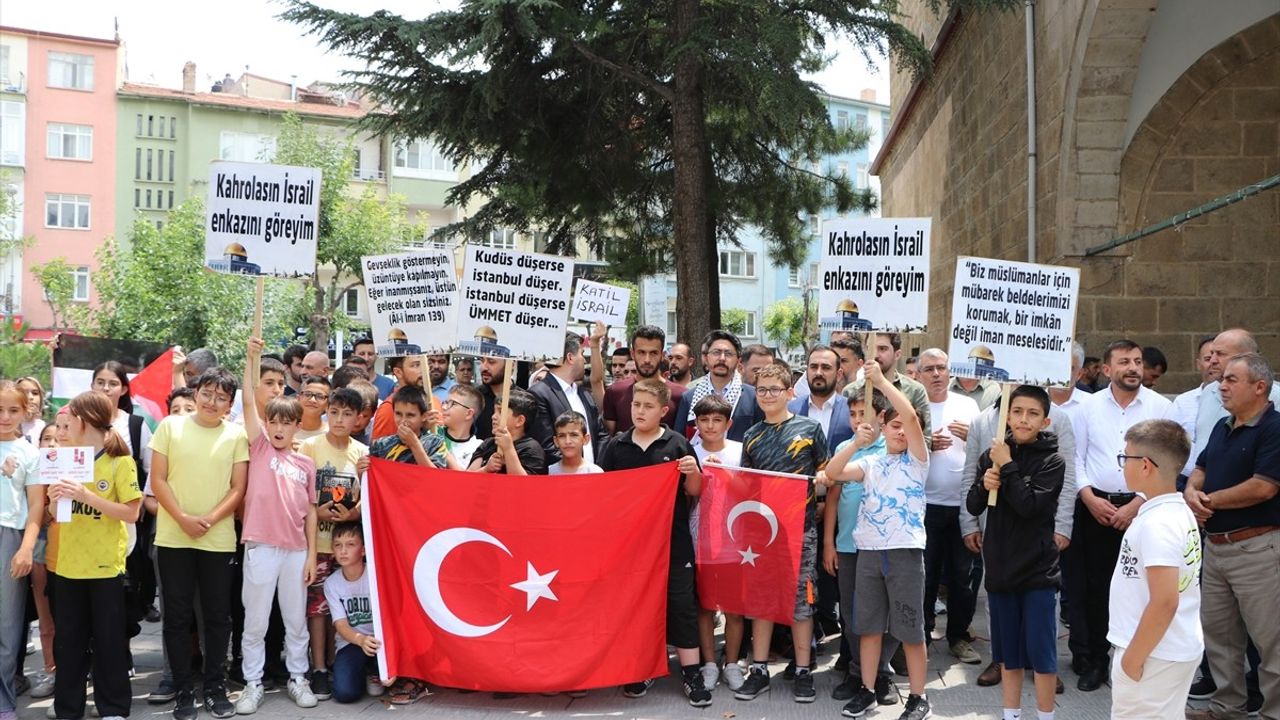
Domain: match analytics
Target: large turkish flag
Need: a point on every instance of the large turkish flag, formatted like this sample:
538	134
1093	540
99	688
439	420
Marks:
520	584
750	531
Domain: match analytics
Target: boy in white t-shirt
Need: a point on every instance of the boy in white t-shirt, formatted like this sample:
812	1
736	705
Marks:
712	416
347	592
570	436
459	415
1155	589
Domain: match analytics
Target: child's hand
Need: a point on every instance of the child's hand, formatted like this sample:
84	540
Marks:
342	513
309	570
941	440
254	348
1000	453
406	434
502	436
66	490
973	541
369	644
688	465
865	436
362	465
494	464
822	479
991	479
1131	667
434	418
194	527
21	563
829	559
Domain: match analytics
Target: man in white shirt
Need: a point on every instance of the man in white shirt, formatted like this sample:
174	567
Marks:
1228	344
1105	506
951	414
1068	400
1187	405
560	391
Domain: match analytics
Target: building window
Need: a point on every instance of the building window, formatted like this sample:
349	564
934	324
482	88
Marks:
749	324
863	180
671	323
137	163
501	239
735	263
80	279
159	225
843	169
246	147
171	164
138	131
351	303
148	199
815	224
162	118
842	119
884	127
151	125
793	277
66	211
173	128
424	159
160	164
70	70
170	199
11	222
70	142
137	197
13	130
860	121
4	65
149	159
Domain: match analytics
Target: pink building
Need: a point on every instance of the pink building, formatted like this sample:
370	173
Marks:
57	100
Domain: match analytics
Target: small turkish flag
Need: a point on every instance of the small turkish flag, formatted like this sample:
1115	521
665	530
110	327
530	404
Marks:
519	584
750	532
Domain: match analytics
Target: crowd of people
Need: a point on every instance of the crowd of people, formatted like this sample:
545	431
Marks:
1149	527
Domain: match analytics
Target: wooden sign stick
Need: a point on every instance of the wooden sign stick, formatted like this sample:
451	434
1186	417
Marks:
1001	425
507	372
868	409
259	287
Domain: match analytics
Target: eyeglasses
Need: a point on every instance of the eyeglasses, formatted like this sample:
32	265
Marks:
721	353
769	391
1121	458
315	396
210	397
450	403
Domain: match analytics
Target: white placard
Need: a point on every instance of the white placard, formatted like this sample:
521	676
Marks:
1013	322
262	219
413	301
514	304
874	275
65	463
597	301
653	296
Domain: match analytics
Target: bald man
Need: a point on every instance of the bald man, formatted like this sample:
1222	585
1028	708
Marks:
316	363
1226	345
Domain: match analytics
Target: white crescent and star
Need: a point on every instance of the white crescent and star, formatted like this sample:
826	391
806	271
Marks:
426	580
764	511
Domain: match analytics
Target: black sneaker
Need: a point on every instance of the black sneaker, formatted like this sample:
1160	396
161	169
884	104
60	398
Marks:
184	705
696	689
637	689
321	685
886	691
165	693
1203	689
862	701
917	708
216	702
804	692
789	672
756	684
845	690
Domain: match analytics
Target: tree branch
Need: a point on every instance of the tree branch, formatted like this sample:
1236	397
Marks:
663	91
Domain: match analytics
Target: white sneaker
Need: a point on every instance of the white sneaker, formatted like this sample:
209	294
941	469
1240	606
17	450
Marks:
300	691
373	687
710	675
250	699
113	717
734	675
43	686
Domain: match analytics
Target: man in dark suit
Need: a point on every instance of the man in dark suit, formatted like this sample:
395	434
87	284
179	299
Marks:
560	391
823	403
720	354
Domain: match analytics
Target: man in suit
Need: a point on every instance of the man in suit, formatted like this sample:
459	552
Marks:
560	391
823	403
720	355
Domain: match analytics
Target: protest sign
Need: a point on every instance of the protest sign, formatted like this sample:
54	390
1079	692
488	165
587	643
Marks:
597	301
262	219
514	305
65	463
1013	322
413	301
875	275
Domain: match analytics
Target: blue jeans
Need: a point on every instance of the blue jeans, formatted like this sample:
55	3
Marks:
13	626
351	668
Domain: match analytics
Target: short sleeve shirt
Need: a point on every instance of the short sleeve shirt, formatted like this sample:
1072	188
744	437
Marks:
1235	453
532	457
200	462
1163	534
19	466
796	445
349	600
92	545
851	500
392	448
891	516
280	493
336	480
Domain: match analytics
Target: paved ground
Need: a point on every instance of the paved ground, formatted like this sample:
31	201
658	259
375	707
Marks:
951	690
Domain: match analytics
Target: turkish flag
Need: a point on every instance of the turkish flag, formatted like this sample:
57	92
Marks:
519	584
750	532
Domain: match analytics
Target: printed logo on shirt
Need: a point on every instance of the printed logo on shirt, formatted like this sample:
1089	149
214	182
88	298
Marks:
288	471
359	611
79	508
1191	555
103	485
1128	562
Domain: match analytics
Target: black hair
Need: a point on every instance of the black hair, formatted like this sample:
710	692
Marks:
362	340
411	395
1153	358
879	403
1116	346
317	380
182	392
713	405
270	364
1204	341
715	335
571	418
754	349
294	352
348	398
523	403
346	374
125	402
219	377
648	332
895	340
1035	393
853	345
822	348
621	352
1091	359
344	529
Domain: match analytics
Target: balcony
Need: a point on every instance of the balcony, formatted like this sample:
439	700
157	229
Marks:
367	175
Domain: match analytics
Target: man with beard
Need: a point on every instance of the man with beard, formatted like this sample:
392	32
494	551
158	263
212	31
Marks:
888	351
752	359
1104	504
438	371
680	361
823	403
720	352
293	363
464	371
561	390
646	346
364	348
492	370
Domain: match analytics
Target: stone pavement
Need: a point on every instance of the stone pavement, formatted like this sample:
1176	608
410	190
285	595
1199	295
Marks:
951	691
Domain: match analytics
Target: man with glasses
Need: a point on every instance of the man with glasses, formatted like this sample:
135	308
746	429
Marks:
1105	506
560	391
721	350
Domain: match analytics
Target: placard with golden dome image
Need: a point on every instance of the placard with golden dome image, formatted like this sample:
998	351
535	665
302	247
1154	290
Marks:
413	301
262	219
1013	322
874	275
513	304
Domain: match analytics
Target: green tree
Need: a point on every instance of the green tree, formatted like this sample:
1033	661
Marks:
349	228
59	288
672	123
19	358
734	320
786	323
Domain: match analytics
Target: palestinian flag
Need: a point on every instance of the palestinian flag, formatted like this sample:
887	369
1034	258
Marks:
149	365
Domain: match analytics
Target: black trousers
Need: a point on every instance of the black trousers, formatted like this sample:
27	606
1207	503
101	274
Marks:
944	549
1094	551
87	614
184	572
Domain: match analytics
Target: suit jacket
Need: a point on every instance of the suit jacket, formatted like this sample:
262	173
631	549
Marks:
552	403
745	414
839	429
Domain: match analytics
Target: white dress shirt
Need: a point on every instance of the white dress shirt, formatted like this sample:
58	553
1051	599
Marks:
1210	412
946	467
575	404
1102	434
1183	411
822	413
1072	408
